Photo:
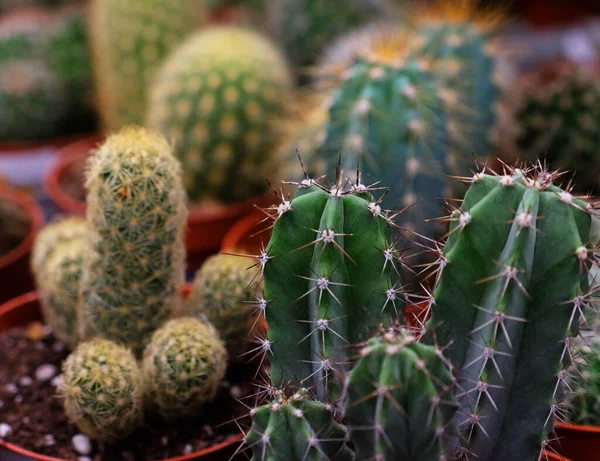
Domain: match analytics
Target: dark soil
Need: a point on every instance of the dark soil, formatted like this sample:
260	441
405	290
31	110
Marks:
34	411
15	224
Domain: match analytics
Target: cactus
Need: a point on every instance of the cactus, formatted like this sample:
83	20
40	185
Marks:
584	400
513	285
22	35
59	290
182	366
399	403
134	271
224	291
329	280
296	429
554	110
130	39
218	97
102	390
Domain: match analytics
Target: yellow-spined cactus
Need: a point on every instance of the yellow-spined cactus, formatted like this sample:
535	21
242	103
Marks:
103	390
182	367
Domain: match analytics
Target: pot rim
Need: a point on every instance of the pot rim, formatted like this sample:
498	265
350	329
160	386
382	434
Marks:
33	296
202	213
35	214
240	229
577	427
16	146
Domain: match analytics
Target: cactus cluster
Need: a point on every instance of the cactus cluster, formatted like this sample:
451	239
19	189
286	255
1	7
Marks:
130	40
182	367
584	398
103	390
219	97
223	291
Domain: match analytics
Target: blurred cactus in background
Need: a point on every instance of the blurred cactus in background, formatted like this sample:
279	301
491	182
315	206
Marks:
584	398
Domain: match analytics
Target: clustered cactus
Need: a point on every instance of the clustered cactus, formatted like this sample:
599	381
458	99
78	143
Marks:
219	97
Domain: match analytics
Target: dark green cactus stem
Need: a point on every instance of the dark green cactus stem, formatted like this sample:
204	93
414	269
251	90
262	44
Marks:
329	281
513	285
400	403
296	429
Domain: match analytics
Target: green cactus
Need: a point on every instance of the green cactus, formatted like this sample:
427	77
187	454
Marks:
584	400
182	366
306	27
329	281
509	298
134	271
59	290
554	109
399	403
224	291
34	103
297	429
130	39
22	35
102	389
219	97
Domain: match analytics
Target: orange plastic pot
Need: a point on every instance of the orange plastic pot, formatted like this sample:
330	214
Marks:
578	443
25	309
15	273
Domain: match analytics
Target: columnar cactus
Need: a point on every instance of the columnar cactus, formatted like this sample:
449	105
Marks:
224	291
512	286
182	366
399	403
297	428
134	271
554	110
130	39
218	97
330	281
103	390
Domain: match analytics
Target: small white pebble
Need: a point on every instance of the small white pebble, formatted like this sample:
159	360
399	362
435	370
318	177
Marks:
207	430
18	399
49	440
5	430
46	372
164	440
47	330
1	403
84	458
58	346
82	444
56	381
236	392
25	381
188	449
11	388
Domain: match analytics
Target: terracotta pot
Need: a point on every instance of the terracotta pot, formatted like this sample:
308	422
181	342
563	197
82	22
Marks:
22	147
249	235
15	274
579	443
551	456
26	309
553	13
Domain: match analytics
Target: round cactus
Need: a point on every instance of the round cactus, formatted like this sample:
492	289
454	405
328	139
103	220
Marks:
584	401
22	35
224	291
134	271
103	390
218	97
34	103
182	366
130	39
59	289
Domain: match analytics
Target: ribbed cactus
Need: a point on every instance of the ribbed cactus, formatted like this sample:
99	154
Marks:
399	403
219	97
330	281
509	299
134	272
297	428
130	39
102	390
584	398
224	291
555	110
182	367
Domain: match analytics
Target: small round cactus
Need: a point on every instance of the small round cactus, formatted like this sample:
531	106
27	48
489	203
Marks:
224	291
103	390
218	97
182	366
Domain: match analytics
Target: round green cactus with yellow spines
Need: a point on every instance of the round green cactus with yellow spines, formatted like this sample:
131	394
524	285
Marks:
219	97
130	39
224	291
134	271
59	289
182	366
103	390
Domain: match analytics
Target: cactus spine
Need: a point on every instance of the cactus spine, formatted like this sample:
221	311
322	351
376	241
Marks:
182	366
130	39
103	390
224	292
513	284
219	97
134	272
584	398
